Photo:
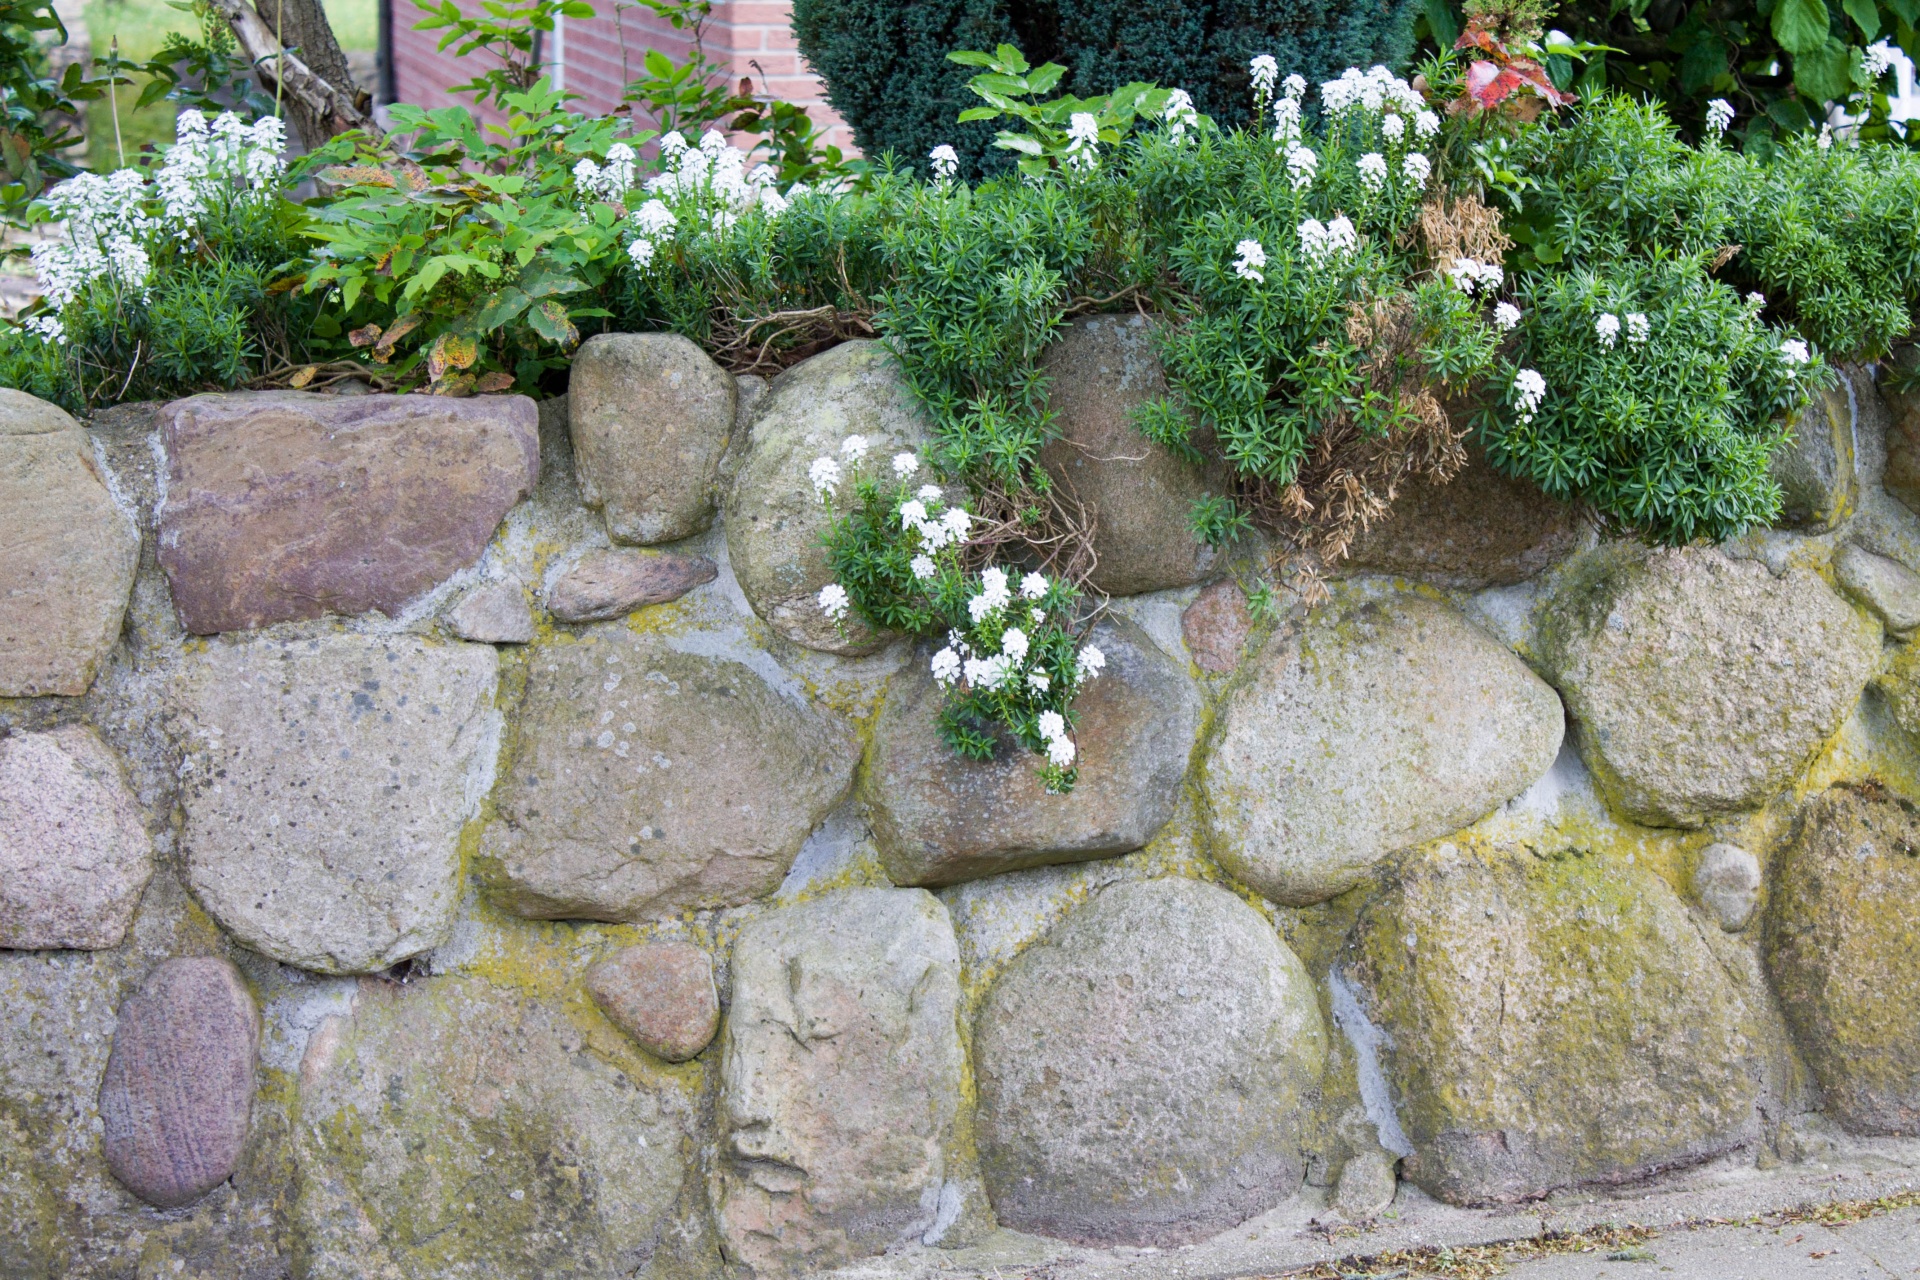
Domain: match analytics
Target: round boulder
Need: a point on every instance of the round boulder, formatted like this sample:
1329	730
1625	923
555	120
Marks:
775	520
1552	1021
1142	1069
178	1089
1383	723
1699	685
1843	949
939	818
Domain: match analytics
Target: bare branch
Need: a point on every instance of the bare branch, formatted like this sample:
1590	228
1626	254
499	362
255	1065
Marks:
326	101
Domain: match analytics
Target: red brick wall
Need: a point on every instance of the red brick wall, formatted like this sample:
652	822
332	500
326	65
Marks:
597	57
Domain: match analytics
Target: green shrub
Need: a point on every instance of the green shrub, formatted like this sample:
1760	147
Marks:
886	68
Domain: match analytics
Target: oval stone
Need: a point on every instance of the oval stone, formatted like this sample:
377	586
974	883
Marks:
178	1088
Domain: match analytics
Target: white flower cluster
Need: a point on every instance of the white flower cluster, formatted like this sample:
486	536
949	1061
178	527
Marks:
1417	167
1321	244
1373	172
1529	392
1266	73
1506	316
611	182
946	162
1083	141
1302	164
710	181
107	226
1607	328
1471	277
1719	115
1251	258
1377	90
1794	353
1878	59
1180	116
1639	329
1286	112
228	161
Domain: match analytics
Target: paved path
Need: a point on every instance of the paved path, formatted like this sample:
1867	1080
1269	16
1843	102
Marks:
1878	1248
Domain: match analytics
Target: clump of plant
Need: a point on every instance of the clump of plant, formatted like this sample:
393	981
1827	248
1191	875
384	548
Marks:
1009	662
167	279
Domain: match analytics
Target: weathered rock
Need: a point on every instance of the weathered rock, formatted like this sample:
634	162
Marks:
938	818
1699	684
650	414
74	853
1815	467
455	1130
67	553
283	505
661	994
1889	589
1901	478
774	519
1553	1022
496	613
326	785
1727	883
178	1090
1899	688
1481	529
1142	1069
1383	723
842	1072
1140	494
1215	627
648	780
1367	1185
611	584
1843	949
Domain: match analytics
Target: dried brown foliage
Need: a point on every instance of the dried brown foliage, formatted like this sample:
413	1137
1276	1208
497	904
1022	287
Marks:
1461	228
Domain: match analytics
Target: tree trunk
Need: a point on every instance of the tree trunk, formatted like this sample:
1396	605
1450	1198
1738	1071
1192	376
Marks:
318	92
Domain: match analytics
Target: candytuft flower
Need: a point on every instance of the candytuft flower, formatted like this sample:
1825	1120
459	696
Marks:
929	493
1529	391
1083	140
825	474
1014	644
1417	167
946	162
905	464
1393	128
922	567
912	512
1302	164
1795	352
1265	72
1090	663
1052	724
1033	586
1251	257
1506	315
1373	171
1719	115
1607	328
1180	116
1639	328
854	448
1060	751
833	601
946	666
1877	60
1426	124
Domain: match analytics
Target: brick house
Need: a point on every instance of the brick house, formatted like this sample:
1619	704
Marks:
596	57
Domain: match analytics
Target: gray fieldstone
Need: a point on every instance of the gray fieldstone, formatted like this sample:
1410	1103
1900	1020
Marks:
774	519
1139	494
661	994
1727	883
604	585
1481	529
1843	949
283	505
67	553
1815	467
938	818
648	780
1901	478
841	1109
1381	724
650	414
325	788
178	1089
1699	685
1215	627
74	853
1553	1022
497	613
1889	590
1366	1186
452	1129
1143	1070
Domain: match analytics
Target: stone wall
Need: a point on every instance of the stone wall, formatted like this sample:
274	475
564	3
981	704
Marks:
441	839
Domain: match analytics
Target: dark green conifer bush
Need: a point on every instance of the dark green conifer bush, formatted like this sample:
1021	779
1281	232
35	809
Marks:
886	68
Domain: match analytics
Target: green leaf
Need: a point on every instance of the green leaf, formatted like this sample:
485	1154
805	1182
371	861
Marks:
1826	74
1043	79
1865	14
969	58
1801	26
979	113
1019	142
1010	59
